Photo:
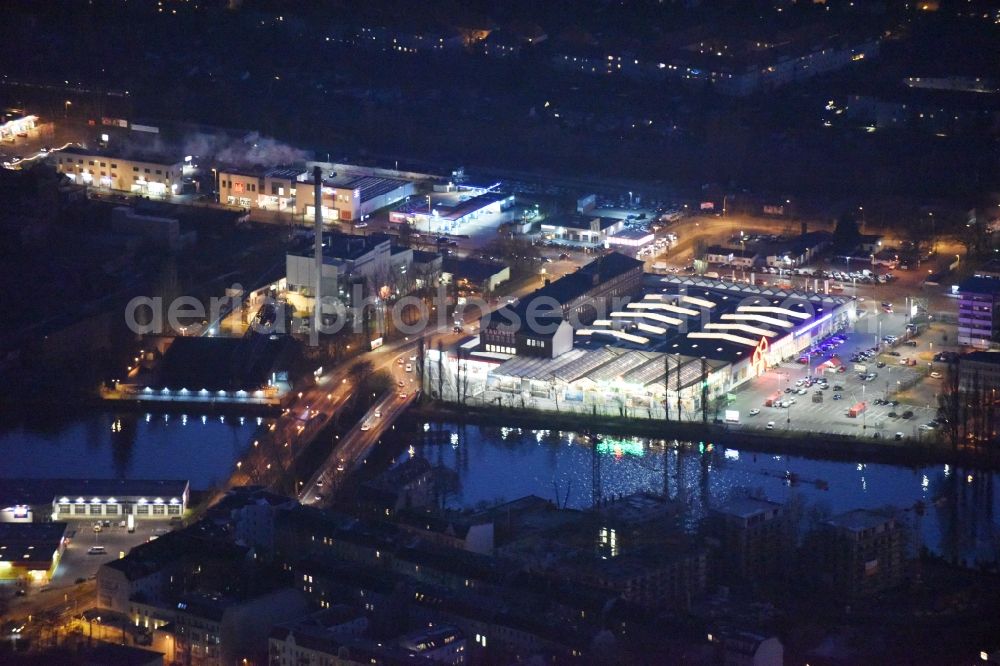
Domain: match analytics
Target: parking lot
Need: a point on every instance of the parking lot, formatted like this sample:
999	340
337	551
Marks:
886	376
77	563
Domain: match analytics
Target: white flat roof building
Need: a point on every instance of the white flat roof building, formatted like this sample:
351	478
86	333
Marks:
153	175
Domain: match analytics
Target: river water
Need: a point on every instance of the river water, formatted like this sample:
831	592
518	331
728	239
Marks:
953	511
130	445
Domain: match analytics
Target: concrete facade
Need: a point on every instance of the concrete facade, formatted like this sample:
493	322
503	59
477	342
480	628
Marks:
149	175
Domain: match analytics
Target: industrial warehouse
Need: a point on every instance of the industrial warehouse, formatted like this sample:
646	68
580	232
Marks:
41	500
679	342
448	211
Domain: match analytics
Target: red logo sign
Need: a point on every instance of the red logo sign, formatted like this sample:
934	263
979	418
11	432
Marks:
759	359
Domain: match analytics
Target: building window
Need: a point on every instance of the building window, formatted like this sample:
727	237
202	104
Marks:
111	509
64	508
159	510
95	509
146	170
103	164
159	172
91	162
174	510
114	166
142	509
136	169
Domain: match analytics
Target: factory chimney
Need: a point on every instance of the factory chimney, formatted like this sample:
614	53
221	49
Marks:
318	243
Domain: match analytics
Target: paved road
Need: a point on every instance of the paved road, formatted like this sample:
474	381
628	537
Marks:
353	449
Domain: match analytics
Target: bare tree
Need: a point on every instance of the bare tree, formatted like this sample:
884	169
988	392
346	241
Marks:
950	403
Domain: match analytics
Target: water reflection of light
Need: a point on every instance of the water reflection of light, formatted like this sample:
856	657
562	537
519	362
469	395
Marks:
454	440
148	417
222	419
184	419
166	418
620	447
947	471
260	420
204	419
427	426
489	467
116	425
242	420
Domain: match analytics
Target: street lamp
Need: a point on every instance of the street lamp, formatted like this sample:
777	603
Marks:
66	106
864	412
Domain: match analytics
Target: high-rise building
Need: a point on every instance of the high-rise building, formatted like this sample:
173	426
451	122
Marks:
978	315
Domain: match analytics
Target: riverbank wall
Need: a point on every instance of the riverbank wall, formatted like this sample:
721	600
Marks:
907	452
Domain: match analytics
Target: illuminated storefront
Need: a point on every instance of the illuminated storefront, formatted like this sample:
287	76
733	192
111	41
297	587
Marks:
682	345
35	500
149	176
17	125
